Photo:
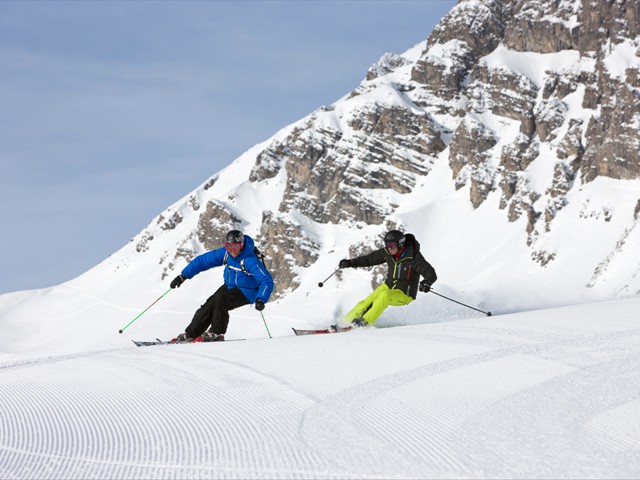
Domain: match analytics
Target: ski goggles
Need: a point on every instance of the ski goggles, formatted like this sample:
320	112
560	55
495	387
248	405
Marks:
233	246
391	245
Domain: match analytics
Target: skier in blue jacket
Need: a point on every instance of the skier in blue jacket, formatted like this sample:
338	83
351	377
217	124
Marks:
246	280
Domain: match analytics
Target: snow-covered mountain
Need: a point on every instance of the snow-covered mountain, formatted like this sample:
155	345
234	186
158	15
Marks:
507	142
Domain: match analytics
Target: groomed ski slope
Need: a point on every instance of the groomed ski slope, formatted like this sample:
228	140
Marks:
542	394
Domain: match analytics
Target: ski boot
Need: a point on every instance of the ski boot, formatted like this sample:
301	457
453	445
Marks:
360	322
212	337
182	338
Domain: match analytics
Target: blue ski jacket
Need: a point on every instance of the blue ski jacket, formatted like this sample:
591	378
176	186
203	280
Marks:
245	272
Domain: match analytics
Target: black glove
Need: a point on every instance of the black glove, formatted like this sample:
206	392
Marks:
259	305
425	286
344	264
176	282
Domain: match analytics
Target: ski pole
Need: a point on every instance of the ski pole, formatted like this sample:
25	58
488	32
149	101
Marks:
157	300
321	284
265	325
488	314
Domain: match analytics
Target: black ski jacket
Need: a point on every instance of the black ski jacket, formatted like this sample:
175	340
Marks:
404	274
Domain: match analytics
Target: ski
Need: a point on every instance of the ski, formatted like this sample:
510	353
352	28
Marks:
331	329
142	343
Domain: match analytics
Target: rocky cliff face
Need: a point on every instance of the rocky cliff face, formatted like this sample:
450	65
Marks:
584	113
498	86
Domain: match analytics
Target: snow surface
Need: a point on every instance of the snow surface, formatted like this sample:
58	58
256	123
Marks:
543	394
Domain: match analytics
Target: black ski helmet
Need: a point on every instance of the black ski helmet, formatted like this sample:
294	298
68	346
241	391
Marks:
235	236
395	236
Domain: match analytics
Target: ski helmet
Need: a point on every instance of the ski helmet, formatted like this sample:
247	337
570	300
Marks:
394	238
234	240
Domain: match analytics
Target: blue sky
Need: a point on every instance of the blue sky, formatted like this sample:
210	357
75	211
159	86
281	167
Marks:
111	111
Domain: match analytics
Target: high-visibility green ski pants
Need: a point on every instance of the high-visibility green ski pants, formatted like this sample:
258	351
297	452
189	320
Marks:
372	307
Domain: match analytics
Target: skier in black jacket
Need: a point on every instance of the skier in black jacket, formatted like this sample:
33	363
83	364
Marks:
406	265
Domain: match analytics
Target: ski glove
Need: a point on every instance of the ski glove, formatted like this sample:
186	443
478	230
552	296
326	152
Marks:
344	264
259	305
179	280
425	286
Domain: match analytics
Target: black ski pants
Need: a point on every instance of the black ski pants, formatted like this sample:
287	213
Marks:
215	311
